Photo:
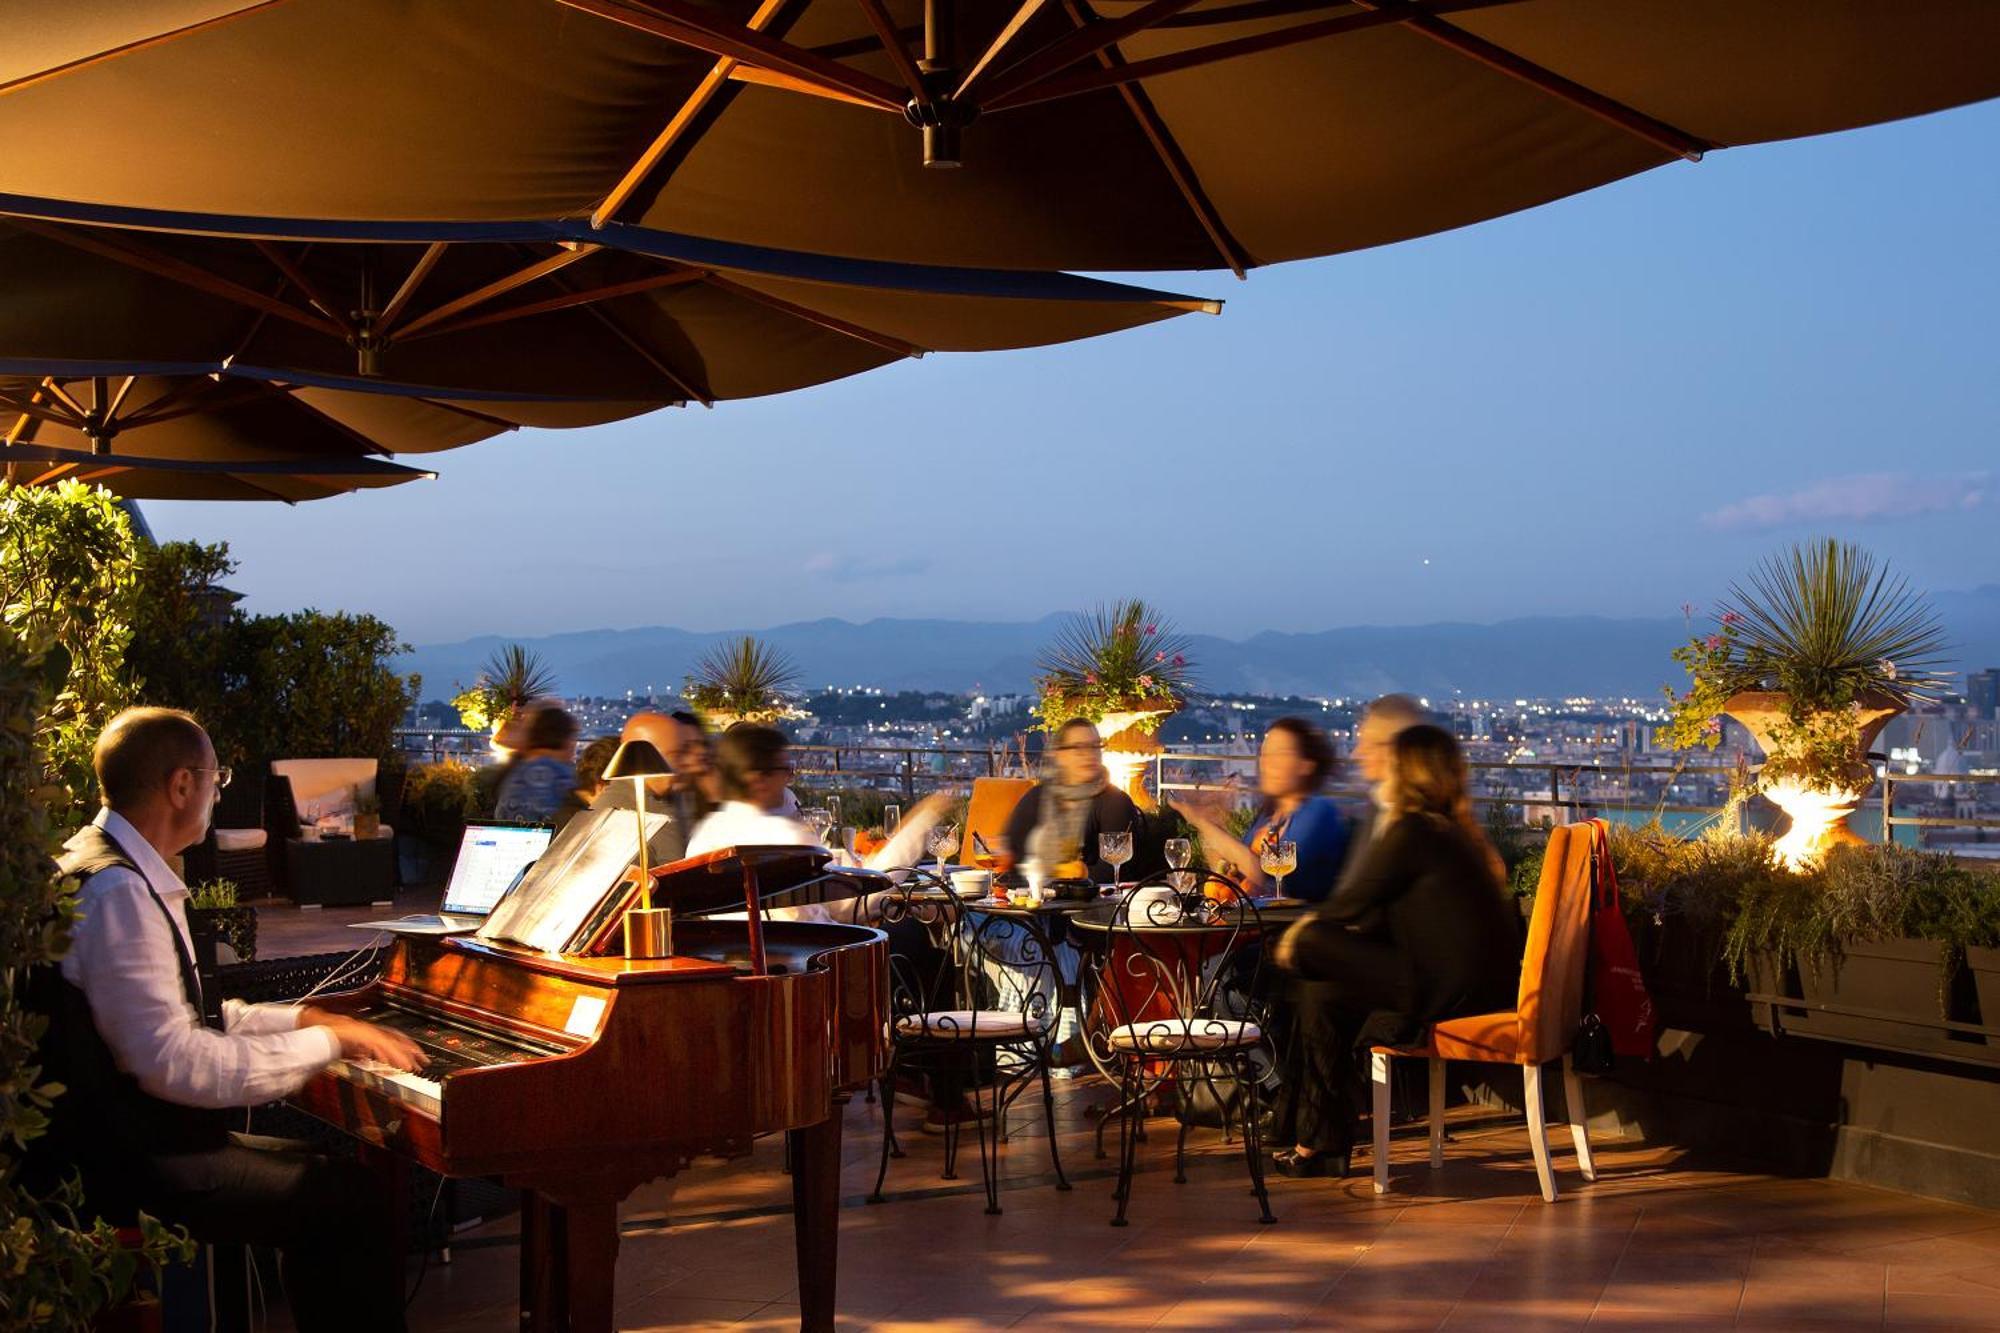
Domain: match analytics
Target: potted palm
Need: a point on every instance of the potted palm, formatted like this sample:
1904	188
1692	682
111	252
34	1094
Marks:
1813	657
742	680
510	679
1126	670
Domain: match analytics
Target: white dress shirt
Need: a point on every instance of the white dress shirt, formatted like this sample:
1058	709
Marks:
124	960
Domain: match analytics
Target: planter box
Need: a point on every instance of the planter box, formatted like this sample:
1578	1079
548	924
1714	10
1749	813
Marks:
1984	965
1886	994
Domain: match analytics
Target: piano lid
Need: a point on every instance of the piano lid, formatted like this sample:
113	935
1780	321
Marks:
714	881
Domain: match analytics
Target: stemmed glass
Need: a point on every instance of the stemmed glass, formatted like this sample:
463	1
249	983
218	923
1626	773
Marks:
1180	852
892	819
1115	849
943	842
819	821
1280	858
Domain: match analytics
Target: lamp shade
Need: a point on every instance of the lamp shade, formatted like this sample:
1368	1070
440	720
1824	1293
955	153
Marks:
637	759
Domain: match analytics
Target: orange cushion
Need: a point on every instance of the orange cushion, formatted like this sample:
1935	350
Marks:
1488	1037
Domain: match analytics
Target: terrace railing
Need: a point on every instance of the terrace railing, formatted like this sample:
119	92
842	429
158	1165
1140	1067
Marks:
1687	795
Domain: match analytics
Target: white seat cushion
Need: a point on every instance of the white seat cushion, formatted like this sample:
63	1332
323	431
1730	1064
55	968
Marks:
969	1024
239	839
1174	1036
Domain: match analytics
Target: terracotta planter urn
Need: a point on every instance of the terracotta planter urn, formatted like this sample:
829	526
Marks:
1818	814
1127	748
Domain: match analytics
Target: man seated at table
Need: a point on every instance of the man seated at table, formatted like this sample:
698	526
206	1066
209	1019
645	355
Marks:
1060	820
154	1086
685	796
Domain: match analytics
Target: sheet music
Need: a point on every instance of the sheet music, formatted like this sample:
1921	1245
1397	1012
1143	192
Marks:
581	868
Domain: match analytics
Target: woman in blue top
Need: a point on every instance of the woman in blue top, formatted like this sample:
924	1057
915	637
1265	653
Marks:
1293	764
543	771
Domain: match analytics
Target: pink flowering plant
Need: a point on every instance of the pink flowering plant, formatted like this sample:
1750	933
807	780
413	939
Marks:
1122	658
1827	627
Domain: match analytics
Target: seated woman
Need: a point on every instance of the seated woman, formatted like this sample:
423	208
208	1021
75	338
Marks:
1419	928
1293	764
590	762
542	771
1060	818
754	767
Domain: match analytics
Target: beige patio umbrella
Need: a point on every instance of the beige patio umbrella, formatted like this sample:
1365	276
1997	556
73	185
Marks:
1088	134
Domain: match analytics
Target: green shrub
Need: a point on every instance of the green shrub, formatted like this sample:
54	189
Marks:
213	893
438	799
68	587
58	1269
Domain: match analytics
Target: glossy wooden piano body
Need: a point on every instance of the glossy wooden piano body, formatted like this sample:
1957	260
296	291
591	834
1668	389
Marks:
579	1079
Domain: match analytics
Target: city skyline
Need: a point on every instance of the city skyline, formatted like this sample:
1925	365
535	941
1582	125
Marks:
1610	405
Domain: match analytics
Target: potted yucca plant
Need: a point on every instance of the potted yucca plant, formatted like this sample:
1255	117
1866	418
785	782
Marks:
1813	657
1125	669
742	680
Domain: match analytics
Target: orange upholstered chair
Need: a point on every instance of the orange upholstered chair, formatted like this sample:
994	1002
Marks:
1539	1029
992	804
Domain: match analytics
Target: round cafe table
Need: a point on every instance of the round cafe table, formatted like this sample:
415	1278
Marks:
1188	947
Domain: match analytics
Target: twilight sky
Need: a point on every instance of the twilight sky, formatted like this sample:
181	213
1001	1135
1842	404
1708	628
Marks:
1610	405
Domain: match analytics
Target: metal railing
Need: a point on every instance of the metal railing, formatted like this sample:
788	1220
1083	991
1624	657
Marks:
1556	790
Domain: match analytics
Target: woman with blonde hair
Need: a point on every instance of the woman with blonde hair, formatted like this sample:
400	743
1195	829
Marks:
1418	929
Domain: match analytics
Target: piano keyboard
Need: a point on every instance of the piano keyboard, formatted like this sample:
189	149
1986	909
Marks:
417	1091
449	1045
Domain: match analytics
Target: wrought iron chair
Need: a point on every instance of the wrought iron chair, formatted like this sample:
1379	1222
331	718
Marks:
1172	999
949	1022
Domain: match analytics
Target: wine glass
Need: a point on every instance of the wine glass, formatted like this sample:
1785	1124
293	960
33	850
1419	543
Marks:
833	813
942	841
1279	859
892	819
820	821
1180	851
1115	849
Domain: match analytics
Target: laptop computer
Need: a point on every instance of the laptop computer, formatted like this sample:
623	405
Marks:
493	856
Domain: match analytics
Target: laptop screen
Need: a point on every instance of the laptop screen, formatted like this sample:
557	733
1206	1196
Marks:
490	858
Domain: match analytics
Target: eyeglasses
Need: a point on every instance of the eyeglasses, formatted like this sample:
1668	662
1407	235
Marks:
223	773
1081	745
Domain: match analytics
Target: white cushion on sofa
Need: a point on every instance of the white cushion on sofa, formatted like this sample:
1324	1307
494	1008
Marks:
239	839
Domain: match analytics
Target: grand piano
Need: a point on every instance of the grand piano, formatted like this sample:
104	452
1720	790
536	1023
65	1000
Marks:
578	1079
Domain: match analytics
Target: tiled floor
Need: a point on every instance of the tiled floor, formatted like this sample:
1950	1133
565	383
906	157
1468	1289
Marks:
1660	1241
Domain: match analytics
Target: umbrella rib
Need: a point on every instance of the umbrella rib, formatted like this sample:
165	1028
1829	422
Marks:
418	272
541	268
1048	87
134	255
1062	52
899	55
444	406
887	342
1656	132
1002	40
368	445
30	409
712	83
1178	168
673	278
285	265
639	349
771	78
62	396
128	48
690	26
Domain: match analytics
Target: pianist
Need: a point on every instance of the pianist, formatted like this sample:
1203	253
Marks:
157	1072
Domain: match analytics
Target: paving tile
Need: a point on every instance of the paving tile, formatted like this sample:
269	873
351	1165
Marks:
1809	1301
1955	1311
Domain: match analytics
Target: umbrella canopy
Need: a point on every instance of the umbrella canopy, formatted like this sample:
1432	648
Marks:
516	316
142	478
204	419
1094	134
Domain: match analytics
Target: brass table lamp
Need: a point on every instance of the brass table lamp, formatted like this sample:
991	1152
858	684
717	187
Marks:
649	930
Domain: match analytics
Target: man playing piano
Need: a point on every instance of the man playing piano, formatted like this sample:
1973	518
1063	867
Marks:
157	1071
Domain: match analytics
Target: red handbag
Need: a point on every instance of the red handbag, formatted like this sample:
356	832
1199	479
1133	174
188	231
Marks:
1618	993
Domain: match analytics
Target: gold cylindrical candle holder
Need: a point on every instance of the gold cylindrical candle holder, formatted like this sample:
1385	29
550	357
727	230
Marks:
649	932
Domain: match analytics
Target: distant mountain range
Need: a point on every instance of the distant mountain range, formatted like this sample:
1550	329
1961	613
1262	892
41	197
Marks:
1544	656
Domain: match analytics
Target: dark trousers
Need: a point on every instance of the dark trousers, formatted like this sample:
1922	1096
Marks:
328	1218
1341	978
